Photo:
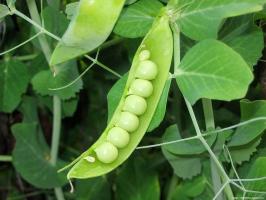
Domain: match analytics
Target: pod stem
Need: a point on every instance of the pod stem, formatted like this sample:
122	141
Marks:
36	21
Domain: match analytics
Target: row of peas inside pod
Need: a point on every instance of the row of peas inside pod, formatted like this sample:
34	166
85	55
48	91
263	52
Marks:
135	105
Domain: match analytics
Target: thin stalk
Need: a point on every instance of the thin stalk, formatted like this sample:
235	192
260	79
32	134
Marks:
210	125
56	129
4	158
102	66
56	100
223	174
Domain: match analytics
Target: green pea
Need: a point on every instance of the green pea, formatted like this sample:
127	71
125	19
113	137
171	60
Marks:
144	55
159	41
106	152
118	137
128	121
135	104
147	70
141	88
91	25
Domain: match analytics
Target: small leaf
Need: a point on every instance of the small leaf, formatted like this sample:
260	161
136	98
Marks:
184	167
137	181
31	157
244	152
185	147
249	132
14	79
4	11
128	2
136	20
201	19
213	70
190	188
67	72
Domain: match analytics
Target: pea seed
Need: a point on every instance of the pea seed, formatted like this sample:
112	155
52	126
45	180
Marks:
141	88
144	55
135	104
146	70
118	137
106	152
128	121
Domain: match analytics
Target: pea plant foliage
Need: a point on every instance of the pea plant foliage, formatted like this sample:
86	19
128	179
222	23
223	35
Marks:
132	99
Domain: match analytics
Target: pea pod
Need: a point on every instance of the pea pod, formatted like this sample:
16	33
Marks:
90	26
159	43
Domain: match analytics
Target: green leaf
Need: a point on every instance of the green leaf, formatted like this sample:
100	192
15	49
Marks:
242	35
31	157
114	96
28	108
190	188
249	132
44	81
202	19
4	11
213	70
257	170
137	181
185	147
136	20
54	21
184	167
244	152
14	79
92	189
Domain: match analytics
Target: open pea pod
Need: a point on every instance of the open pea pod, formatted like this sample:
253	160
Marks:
159	43
90	26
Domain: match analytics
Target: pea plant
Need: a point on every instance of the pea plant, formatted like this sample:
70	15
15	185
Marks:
132	99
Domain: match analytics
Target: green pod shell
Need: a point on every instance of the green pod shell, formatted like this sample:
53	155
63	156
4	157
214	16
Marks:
106	152
141	88
118	137
91	25
135	104
159	42
147	70
128	121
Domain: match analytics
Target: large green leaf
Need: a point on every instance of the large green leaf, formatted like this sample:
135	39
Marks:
137	181
202	19
14	78
116	92
186	147
31	157
136	20
44	81
249	132
213	70
242	35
